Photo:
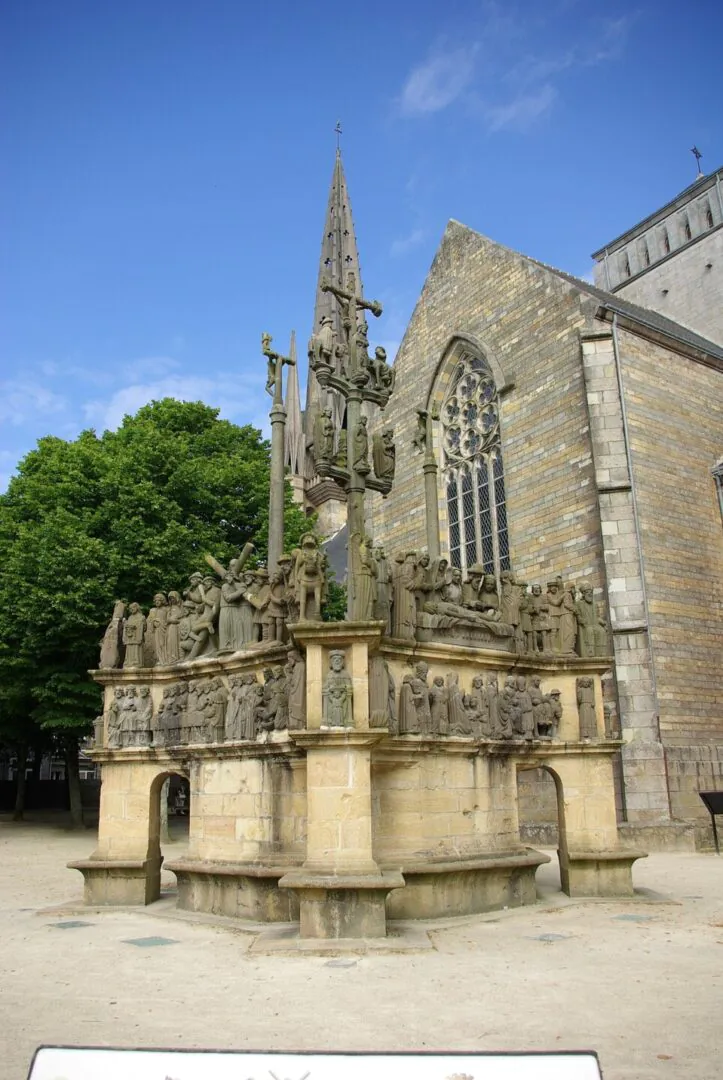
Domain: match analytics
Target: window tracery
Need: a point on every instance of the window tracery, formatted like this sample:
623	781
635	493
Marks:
472	469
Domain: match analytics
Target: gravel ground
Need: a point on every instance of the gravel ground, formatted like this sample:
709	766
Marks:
638	981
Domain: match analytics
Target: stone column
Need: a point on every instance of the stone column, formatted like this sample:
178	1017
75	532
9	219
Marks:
431	500
342	892
276	493
355	502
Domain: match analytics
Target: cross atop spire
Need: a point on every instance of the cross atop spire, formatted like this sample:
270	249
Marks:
339	134
339	257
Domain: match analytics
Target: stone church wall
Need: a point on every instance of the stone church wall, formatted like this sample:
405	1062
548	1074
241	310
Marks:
527	324
675	416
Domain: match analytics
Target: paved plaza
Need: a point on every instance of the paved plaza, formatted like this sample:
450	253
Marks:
639	981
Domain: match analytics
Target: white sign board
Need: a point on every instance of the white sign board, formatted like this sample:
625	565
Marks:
79	1063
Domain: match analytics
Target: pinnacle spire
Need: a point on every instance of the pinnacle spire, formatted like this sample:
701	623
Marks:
339	256
294	432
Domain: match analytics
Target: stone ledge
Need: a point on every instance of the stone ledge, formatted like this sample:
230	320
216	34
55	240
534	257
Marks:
227	869
320	879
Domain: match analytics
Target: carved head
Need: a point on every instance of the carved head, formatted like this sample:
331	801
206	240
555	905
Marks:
489	583
555	694
472	702
174	599
119	692
521	682
492	681
438	680
132	692
362	421
326	320
249	678
553	586
510	682
456	575
269	674
159	600
278	672
421	669
381	354
144	691
337	660
478	682
452	678
535	680
537	590
196	578
209	581
423	560
134	608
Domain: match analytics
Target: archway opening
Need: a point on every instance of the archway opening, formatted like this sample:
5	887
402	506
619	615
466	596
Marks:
169	826
541	816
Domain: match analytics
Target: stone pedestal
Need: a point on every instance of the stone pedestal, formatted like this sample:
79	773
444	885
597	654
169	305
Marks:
598	873
119	881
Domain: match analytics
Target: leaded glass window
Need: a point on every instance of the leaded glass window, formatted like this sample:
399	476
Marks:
472	468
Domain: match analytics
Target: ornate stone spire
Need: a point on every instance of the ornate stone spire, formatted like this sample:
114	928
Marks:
339	256
294	448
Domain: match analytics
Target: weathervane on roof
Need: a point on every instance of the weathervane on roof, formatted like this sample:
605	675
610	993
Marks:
338	133
697	155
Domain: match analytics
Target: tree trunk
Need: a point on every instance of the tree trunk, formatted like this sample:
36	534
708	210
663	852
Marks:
164	810
73	774
20	789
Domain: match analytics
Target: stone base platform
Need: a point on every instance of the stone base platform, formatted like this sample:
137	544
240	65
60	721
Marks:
338	906
441	889
599	873
237	890
119	881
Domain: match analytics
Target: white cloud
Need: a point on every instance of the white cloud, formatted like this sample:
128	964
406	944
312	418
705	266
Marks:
238	398
522	110
436	83
23	399
504	54
406	243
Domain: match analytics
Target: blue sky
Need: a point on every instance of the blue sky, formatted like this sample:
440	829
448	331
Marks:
165	166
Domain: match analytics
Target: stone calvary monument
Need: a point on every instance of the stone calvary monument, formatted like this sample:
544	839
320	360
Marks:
344	773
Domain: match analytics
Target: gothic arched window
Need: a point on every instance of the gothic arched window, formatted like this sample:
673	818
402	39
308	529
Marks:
472	470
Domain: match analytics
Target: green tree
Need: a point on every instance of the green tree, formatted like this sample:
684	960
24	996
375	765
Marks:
120	515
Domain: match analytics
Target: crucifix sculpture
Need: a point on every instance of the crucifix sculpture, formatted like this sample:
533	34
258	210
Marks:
345	366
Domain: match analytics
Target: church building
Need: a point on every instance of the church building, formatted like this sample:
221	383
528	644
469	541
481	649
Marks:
577	431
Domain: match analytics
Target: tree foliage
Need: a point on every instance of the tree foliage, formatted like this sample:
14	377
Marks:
120	515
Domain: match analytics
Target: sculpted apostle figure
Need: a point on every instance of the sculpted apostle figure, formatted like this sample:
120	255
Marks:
337	693
384	454
157	625
360	447
323	436
174	615
321	344
133	634
111	647
590	628
295	672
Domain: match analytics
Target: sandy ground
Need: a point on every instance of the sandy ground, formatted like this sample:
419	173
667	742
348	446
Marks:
638	981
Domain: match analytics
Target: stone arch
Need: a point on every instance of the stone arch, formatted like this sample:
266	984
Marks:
457	345
562	844
154	856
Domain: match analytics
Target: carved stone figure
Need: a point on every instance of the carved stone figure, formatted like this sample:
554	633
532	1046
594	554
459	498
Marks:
174	614
382	373
360	451
458	720
383	604
277	607
230	618
555	715
194	592
342	453
323	436
525	713
232	721
384	454
507	710
337	693
591	632
585	689
134	630
365	578
510	603
129	717
111	647
143	733
382	694
481	708
200	631
310	578
258	597
404	611
280	700
419	442
489	601
215	710
114	718
439	706
554	599
526	628
296	690
493	703
156	624
612	724
321	344
415	716
568	621
539	611
263	721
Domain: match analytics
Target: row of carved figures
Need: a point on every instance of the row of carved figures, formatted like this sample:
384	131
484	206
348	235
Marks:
565	620
235	609
206	711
